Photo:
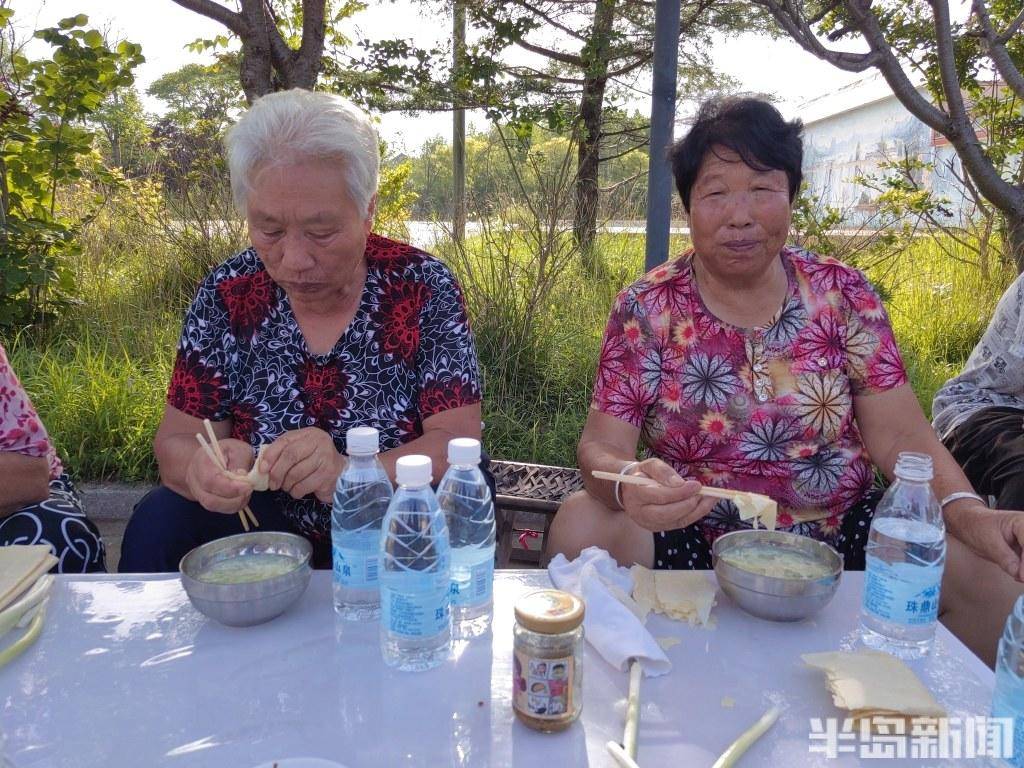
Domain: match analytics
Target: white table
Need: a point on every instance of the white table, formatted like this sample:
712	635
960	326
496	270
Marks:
127	673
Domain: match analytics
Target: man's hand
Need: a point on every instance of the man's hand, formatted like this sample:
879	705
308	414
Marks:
673	504
994	534
302	462
214	488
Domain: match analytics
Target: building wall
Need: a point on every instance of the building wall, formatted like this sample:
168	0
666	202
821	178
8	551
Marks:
840	147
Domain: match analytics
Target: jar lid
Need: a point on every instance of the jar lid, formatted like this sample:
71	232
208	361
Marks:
549	611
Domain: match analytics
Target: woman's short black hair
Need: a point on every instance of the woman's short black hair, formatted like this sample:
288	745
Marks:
750	127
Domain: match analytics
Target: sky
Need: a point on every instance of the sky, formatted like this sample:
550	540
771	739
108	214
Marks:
163	28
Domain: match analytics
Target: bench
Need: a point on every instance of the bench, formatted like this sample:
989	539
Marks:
528	495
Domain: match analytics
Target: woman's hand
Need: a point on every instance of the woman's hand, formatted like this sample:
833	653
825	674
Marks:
214	488
673	504
302	462
994	534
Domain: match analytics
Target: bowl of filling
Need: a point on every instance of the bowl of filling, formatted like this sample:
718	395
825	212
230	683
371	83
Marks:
776	575
249	578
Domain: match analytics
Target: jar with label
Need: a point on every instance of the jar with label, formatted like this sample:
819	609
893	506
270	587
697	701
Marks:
547	674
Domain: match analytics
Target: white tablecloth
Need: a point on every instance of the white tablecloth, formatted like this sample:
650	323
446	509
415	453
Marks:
127	673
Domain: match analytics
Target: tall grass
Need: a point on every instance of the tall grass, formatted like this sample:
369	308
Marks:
99	376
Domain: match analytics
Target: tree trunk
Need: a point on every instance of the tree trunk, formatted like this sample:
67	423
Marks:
255	68
595	56
587	166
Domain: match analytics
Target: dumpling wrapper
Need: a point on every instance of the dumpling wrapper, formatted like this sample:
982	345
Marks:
20	566
872	683
756	506
682	595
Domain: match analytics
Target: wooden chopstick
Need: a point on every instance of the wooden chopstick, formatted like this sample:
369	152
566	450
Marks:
216	455
629	734
707	490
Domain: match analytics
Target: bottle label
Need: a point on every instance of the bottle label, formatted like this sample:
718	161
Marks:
902	593
542	688
355	560
478	588
420	607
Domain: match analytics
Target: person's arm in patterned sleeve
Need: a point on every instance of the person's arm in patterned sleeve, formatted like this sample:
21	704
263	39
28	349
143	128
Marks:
24	446
198	391
890	420
449	377
994	373
610	437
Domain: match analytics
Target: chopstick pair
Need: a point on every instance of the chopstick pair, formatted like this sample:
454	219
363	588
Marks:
707	490
216	455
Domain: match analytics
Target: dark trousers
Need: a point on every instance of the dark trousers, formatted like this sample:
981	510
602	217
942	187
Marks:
60	522
989	446
165	526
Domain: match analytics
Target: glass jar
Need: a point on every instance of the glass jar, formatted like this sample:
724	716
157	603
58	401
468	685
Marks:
547	671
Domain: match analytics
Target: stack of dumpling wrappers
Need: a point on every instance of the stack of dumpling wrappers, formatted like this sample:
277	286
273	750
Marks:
872	684
24	591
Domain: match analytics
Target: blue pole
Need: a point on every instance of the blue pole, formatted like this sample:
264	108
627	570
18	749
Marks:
663	109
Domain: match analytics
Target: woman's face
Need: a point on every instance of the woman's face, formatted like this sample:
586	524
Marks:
739	216
306	229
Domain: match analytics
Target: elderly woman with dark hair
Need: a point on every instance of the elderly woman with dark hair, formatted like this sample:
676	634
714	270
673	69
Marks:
318	327
753	365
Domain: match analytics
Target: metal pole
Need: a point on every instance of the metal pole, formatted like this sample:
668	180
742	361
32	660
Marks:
663	109
458	124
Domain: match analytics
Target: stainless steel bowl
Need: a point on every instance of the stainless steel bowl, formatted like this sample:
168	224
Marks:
251	602
774	597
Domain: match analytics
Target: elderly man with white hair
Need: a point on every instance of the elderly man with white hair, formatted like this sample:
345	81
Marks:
319	326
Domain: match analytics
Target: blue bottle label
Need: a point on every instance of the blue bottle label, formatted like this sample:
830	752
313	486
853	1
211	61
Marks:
902	593
420	607
478	589
355	561
1002	707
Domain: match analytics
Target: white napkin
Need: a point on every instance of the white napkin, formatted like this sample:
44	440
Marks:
612	628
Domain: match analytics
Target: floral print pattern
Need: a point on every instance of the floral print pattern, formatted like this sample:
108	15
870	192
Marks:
767	409
407	354
21	431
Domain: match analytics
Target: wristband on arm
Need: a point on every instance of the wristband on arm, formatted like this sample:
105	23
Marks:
623	471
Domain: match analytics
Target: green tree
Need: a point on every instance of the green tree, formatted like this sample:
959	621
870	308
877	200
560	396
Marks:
957	62
125	138
201	93
596	54
46	145
282	40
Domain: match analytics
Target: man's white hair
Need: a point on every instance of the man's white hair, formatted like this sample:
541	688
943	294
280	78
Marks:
300	125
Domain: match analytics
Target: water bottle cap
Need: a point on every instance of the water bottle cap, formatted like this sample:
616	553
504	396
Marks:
916	467
362	440
463	450
413	470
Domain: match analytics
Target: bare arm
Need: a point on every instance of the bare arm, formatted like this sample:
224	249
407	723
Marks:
305	461
893	421
437	431
609	444
26	481
185	469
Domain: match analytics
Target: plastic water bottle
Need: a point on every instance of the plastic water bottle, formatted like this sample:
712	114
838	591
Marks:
1008	699
416	623
361	498
469	510
906	552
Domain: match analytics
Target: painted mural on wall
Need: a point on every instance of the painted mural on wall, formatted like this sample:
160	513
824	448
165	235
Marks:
856	142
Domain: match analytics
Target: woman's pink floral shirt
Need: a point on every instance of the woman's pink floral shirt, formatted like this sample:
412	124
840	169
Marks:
767	409
21	431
